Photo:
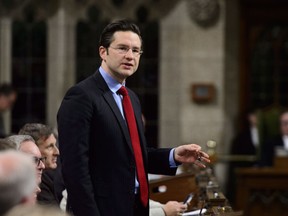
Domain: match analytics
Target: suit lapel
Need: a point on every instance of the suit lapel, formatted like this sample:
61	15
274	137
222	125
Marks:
107	95
110	100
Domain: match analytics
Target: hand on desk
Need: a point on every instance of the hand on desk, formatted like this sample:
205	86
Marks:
174	208
191	153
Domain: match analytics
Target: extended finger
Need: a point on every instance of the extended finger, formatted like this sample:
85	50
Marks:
203	159
203	154
184	207
200	164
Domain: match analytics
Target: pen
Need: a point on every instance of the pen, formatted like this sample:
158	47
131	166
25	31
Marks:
202	208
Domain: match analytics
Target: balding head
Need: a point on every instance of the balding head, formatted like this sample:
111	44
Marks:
27	145
17	179
18	139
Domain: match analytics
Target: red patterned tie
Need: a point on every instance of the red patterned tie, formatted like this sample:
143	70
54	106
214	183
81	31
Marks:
130	119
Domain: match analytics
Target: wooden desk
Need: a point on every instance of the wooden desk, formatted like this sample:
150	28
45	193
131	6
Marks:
281	162
177	188
262	191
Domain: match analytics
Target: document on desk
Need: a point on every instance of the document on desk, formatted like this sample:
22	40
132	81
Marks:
195	212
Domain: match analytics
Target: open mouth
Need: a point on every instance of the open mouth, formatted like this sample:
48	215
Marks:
128	65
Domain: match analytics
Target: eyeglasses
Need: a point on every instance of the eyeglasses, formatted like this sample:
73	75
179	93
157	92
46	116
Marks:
125	49
37	160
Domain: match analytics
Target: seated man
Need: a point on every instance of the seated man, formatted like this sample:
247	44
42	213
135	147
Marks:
26	144
17	180
46	142
278	142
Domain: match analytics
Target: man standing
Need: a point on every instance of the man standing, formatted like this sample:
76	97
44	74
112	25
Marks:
103	148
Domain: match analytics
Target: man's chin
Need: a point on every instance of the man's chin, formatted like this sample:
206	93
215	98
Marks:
51	166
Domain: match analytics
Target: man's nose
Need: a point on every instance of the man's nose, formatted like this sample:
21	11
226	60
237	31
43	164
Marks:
129	54
56	151
41	165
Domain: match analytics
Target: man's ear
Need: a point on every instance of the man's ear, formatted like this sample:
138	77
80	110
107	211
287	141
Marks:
103	52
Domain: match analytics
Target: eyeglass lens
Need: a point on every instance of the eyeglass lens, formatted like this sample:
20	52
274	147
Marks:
37	160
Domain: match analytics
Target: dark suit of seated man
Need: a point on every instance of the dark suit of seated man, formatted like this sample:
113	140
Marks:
270	147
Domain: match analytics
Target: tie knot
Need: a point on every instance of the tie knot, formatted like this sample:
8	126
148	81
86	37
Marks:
123	91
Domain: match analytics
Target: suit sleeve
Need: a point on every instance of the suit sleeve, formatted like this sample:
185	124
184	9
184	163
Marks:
74	118
158	161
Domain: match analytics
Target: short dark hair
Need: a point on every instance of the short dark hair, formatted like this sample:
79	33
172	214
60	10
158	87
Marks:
37	131
7	89
106	37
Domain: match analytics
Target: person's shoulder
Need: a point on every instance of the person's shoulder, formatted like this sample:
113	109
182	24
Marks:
94	82
85	86
48	174
270	142
87	82
273	138
276	140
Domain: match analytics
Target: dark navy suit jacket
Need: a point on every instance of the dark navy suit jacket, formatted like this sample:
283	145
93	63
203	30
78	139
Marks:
97	158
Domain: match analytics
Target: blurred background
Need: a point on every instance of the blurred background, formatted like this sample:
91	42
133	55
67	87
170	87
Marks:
206	63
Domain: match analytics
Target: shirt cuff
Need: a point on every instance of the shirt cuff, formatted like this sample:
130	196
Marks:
172	162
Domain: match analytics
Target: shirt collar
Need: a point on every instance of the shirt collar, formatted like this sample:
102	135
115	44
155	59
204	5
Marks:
285	137
285	140
113	84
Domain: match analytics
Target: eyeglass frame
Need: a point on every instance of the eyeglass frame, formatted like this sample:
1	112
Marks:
123	50
38	159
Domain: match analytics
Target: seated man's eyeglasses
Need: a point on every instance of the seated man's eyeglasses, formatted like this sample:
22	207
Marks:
38	159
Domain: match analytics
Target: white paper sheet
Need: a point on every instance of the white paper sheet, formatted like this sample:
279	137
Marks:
195	212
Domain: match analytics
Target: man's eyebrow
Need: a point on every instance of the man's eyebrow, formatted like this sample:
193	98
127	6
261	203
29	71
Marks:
128	46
